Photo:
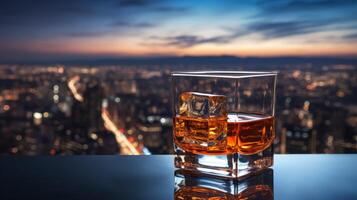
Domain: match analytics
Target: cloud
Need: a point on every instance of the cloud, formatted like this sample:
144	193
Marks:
352	36
303	6
43	18
133	24
28	13
279	19
88	34
135	3
296	17
171	9
29	21
154	5
268	30
185	41
276	19
280	29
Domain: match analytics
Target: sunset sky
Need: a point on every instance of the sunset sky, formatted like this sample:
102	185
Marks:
139	28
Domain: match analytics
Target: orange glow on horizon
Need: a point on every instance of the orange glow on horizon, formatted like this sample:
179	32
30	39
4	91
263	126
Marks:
133	47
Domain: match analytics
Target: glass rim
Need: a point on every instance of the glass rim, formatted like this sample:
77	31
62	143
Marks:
224	74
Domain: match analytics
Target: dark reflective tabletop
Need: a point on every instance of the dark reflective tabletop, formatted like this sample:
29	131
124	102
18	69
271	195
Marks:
153	177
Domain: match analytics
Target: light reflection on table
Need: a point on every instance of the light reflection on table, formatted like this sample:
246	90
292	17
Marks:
294	177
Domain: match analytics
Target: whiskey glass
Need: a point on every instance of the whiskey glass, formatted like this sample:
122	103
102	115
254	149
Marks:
224	122
255	187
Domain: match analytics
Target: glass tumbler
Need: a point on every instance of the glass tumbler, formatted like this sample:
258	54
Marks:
224	122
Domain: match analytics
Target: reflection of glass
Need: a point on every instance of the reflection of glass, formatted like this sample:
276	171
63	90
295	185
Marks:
224	122
258	187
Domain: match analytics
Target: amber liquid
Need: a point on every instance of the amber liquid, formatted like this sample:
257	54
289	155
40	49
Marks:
251	193
236	133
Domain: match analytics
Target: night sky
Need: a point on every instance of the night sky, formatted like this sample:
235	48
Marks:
71	29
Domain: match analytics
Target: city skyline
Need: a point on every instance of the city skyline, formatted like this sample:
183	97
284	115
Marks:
65	30
128	109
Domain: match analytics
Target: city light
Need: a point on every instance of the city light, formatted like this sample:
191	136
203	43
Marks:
37	115
71	85
6	107
127	110
128	148
37	118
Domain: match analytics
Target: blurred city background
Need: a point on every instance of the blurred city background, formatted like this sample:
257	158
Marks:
94	77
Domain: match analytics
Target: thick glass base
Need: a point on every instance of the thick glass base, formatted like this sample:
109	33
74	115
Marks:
193	187
232	166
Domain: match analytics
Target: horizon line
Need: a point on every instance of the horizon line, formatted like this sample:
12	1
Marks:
86	59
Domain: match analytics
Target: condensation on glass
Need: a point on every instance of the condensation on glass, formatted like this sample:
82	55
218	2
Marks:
224	121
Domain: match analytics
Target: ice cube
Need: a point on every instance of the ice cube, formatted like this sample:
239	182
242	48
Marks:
195	104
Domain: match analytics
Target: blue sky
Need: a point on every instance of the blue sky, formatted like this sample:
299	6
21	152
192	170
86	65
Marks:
130	28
